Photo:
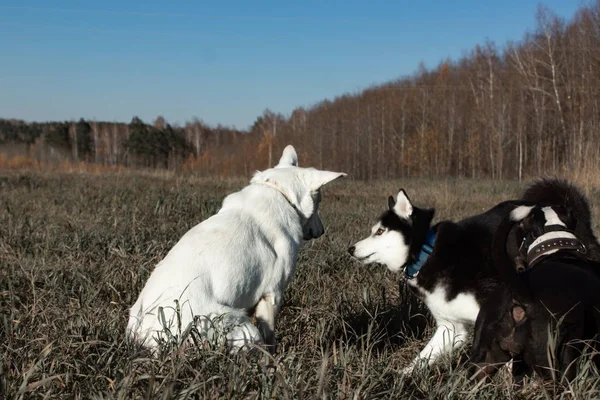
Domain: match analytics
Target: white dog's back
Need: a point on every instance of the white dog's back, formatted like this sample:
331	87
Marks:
202	271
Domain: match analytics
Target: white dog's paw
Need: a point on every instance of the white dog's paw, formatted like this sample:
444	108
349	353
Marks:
416	364
407	370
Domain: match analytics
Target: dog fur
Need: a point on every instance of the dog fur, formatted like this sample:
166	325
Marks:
236	262
558	296
458	276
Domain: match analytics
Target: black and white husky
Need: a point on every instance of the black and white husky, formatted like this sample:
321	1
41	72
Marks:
448	265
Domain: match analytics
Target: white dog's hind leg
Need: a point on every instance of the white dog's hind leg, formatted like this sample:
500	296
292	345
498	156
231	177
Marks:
229	323
266	316
244	334
446	338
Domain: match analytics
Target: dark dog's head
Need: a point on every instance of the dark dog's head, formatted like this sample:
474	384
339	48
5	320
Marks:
533	220
541	231
556	192
513	322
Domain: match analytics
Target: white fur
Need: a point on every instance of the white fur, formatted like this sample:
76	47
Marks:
388	248
403	207
288	158
519	213
453	319
241	258
552	217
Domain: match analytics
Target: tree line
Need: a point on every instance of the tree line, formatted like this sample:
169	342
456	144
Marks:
528	108
137	144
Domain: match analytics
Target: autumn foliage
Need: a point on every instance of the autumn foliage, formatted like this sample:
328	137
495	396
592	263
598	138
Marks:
527	108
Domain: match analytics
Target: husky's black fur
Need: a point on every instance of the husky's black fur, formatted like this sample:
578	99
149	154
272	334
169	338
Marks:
461	255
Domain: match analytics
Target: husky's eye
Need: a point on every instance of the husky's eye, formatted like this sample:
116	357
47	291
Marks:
379	232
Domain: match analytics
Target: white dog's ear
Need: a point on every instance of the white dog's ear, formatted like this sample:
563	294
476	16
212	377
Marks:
289	158
519	213
321	178
403	206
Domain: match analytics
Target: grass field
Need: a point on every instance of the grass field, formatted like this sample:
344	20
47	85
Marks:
76	249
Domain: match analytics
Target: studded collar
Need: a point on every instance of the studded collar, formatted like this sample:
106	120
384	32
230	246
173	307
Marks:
552	242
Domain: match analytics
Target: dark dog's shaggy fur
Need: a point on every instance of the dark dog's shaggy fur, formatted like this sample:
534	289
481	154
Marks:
544	318
575	209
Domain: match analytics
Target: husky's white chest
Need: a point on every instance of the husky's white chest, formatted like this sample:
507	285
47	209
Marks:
461	309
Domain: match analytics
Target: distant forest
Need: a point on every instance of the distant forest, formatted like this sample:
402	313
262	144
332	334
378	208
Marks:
529	108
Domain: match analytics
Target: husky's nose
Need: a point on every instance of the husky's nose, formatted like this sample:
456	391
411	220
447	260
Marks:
351	250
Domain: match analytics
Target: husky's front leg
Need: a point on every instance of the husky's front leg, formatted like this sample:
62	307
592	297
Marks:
447	337
266	317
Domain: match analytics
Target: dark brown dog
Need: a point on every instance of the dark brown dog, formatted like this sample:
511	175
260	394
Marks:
544	318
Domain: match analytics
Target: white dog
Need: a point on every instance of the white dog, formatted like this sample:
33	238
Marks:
237	261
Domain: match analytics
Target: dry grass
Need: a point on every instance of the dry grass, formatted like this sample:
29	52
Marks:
75	250
21	163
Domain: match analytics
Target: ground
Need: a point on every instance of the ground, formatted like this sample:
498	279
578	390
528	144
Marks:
76	249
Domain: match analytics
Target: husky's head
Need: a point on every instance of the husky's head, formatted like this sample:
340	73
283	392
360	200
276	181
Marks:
301	187
398	236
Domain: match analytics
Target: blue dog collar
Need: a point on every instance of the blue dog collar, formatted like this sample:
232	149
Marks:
413	269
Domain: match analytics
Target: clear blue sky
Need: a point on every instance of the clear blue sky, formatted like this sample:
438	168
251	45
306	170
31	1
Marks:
227	61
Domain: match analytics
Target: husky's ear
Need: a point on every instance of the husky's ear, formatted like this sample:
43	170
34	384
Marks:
321	178
289	158
403	206
391	202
